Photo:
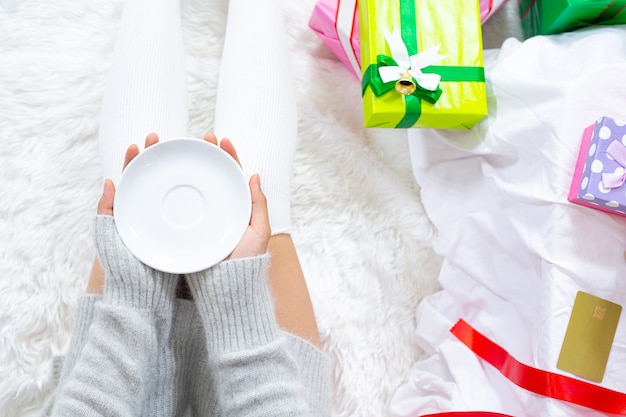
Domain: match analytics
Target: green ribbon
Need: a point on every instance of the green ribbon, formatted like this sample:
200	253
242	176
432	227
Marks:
379	87
413	102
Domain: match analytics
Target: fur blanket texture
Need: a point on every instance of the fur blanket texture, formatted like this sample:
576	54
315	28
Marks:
361	232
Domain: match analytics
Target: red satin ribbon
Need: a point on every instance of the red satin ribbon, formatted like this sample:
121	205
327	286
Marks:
540	382
525	12
467	414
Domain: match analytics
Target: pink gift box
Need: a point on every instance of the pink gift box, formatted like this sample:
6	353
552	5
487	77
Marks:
336	23
488	8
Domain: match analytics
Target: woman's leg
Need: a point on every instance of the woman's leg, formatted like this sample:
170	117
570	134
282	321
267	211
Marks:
256	110
294	311
146	89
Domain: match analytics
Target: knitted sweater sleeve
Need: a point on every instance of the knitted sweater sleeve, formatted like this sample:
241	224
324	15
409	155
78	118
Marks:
314	371
63	365
257	375
107	371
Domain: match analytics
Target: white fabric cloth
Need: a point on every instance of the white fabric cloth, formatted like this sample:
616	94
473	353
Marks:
516	251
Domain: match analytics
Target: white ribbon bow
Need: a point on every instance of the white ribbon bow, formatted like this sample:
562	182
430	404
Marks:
413	64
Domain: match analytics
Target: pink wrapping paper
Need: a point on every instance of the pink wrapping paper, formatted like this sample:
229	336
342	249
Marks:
336	23
486	9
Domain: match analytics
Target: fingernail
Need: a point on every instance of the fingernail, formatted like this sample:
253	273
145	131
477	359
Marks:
107	188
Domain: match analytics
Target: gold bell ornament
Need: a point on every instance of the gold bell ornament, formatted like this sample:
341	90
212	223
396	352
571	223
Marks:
405	85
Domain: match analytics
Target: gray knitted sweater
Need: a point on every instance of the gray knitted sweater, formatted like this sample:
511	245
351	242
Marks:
137	350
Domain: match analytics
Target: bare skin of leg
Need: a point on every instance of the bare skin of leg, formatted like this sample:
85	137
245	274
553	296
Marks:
96	278
292	303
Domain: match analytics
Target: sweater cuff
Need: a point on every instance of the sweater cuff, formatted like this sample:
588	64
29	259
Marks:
234	301
152	290
128	281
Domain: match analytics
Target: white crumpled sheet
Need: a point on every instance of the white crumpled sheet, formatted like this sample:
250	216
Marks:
516	251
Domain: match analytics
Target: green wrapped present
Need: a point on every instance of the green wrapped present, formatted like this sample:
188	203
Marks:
615	17
422	63
547	17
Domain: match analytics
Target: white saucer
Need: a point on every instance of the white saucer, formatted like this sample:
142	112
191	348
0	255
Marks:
182	205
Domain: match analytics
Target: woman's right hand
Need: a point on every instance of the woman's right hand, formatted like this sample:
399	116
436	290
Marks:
256	236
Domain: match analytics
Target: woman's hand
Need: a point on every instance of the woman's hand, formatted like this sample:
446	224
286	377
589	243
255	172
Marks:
256	237
105	205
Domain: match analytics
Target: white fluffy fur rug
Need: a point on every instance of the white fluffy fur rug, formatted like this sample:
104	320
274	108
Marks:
361	232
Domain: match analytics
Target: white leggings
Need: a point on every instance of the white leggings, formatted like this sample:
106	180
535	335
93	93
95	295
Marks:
147	92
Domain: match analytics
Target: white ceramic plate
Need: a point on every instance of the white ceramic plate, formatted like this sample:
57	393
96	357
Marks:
182	205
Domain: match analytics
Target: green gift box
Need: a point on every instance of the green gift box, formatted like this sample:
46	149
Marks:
547	17
422	63
615	18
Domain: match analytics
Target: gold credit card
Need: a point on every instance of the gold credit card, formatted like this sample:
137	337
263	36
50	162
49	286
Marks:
589	337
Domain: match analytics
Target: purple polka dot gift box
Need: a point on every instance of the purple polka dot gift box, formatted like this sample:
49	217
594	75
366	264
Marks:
600	173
